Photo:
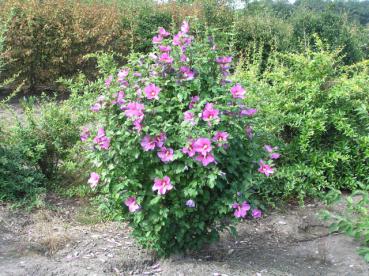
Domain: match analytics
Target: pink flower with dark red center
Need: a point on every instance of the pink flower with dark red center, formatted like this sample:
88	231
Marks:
162	185
166	58
162	32
248	112
134	110
220	137
238	92
157	39
203	146
85	134
241	209
164	48
152	91
160	139
132	205
256	213
94	180
190	149
209	112
265	168
166	154
147	143
205	159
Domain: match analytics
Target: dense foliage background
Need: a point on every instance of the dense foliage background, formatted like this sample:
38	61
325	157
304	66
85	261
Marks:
48	39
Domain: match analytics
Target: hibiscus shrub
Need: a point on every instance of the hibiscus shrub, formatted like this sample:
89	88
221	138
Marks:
172	144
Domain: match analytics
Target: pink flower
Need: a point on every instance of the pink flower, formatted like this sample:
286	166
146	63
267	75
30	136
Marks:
265	168
122	74
185	28
238	92
256	213
85	134
166	58
249	131
152	91
157	39
162	185
137	125
194	100
96	107
184	58
160	139
223	60
187	73
94	180
166	154
209	112
132	205
164	48
205	159
202	146
241	209
275	155
162	32
108	81
134	110
248	112
220	137
190	203
190	149
189	117
268	148
147	143
101	139
177	39
119	98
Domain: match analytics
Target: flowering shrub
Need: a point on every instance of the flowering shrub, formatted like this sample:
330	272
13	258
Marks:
172	143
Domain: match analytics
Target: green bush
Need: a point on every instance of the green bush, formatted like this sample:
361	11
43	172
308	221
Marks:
317	111
46	134
354	220
19	178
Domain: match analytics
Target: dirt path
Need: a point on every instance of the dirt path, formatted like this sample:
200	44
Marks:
57	241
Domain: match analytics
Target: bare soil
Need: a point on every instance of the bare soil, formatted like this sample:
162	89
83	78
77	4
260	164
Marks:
62	240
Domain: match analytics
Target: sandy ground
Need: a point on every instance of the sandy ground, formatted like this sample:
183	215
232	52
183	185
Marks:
61	240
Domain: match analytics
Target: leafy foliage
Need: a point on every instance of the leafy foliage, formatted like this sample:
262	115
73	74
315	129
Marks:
317	112
142	143
354	221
